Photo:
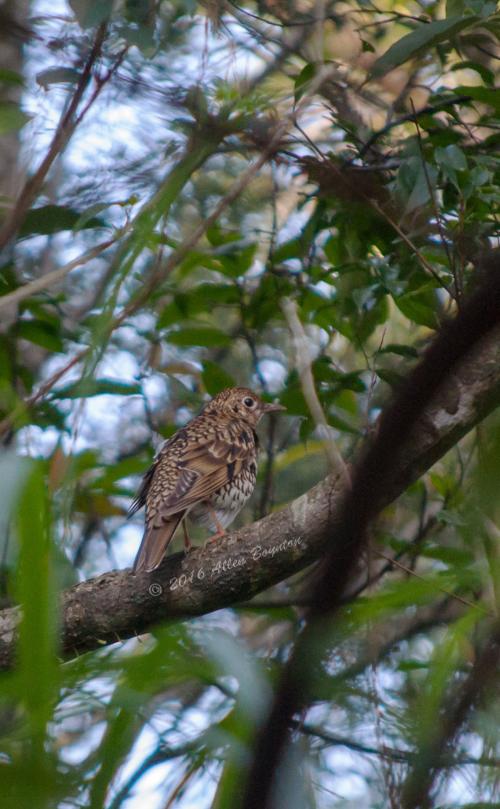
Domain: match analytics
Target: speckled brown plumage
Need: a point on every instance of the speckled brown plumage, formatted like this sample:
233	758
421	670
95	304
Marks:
207	469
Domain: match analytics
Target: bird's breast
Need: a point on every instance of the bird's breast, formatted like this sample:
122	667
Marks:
228	501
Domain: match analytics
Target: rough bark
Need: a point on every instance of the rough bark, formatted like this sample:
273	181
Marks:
119	605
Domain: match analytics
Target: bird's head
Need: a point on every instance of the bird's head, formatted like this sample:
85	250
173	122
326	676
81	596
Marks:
241	403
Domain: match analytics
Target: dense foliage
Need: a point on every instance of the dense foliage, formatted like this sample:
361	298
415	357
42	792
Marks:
290	196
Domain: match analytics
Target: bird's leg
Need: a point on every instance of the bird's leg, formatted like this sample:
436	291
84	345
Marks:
220	530
187	542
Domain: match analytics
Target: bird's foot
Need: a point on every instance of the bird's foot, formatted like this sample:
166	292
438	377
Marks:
218	534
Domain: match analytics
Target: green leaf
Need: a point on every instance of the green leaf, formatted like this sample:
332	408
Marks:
14	471
207	337
205	296
389	375
138	11
293	399
218	237
121	469
232	658
451	518
486	95
215	378
142	36
455	8
97	387
90	13
487	75
293	248
402	350
47	335
237	264
444	484
88	217
325	372
448	657
418	307
454	557
451	156
57	75
123	723
485	8
342	425
35	590
423	189
11	117
48	219
11	77
463	7
305	76
423	38
416	181
400	595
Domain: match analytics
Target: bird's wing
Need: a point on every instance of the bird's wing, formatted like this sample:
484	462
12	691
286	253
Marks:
140	499
190	467
202	469
163	482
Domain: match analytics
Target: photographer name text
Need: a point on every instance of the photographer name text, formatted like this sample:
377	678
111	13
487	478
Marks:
222	566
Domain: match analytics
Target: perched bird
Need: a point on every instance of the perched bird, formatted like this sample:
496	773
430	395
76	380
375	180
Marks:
207	469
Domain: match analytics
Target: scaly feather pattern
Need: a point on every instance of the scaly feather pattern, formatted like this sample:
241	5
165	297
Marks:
206	470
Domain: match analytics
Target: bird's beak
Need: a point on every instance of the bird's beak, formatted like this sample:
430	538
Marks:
273	408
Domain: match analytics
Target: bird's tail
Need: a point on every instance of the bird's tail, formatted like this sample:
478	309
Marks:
154	544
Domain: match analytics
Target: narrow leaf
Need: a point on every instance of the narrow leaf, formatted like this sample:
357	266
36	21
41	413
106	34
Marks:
423	38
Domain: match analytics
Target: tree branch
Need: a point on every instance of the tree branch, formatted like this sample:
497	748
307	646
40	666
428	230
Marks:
378	472
390	753
254	558
54	276
303	364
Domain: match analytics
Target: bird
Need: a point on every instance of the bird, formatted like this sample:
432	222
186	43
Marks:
206	470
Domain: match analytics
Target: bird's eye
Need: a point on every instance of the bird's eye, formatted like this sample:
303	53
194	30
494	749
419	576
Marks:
248	402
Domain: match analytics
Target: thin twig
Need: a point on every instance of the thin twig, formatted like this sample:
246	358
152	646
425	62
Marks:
446	592
436	209
42	391
190	242
377	470
304	370
182	783
409	243
429	110
403	756
65	129
454	710
234	192
51	278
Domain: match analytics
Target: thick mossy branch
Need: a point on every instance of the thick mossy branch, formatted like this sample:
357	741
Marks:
119	605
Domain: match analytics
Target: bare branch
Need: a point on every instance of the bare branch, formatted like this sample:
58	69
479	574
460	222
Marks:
51	278
304	370
390	753
64	130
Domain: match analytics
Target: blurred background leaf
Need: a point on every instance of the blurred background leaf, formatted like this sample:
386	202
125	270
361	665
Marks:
376	213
